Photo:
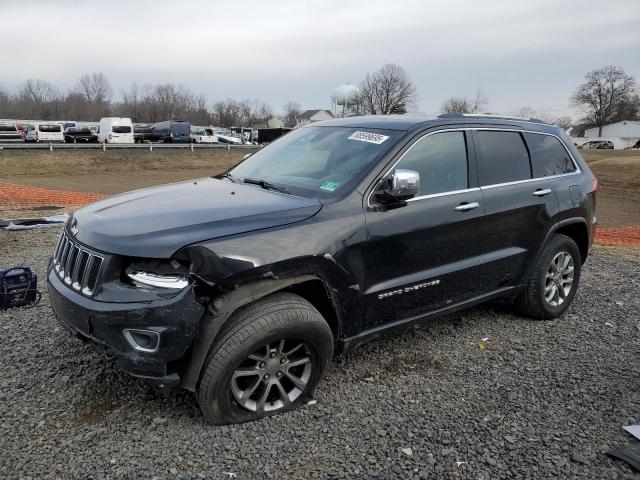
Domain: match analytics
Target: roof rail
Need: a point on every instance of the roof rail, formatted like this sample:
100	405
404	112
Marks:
489	115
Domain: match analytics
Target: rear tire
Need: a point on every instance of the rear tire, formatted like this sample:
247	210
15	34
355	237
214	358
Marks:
280	345
553	281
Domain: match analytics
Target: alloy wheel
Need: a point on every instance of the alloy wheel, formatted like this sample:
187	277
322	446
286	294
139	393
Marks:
559	279
273	376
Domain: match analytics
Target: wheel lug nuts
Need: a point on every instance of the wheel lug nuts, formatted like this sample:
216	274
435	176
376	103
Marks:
262	364
266	377
273	354
279	374
283	360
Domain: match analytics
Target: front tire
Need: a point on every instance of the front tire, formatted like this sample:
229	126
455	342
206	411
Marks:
267	359
553	281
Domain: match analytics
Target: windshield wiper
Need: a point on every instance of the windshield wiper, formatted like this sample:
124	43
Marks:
229	176
266	185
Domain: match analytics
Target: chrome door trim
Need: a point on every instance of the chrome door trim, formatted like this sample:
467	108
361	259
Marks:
444	194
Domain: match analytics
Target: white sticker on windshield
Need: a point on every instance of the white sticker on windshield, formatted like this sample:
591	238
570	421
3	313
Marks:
368	137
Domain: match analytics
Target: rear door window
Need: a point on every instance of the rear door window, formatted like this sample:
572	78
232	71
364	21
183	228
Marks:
121	129
441	161
8	128
548	155
503	157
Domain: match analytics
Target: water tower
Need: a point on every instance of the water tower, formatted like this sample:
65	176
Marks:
343	96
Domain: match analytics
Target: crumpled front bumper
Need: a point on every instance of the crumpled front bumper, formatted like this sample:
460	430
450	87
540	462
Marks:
176	320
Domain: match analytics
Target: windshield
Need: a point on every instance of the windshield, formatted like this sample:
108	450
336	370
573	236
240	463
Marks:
317	161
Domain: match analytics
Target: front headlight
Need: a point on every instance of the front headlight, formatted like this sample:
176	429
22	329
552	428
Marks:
148	279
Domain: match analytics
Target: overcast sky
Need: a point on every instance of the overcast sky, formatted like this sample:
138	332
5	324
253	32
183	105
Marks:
519	53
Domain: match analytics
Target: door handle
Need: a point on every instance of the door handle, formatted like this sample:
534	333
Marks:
464	207
541	192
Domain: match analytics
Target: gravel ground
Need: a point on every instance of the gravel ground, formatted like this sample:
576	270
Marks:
542	400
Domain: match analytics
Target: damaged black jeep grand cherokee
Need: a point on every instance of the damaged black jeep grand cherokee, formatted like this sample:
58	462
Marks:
241	287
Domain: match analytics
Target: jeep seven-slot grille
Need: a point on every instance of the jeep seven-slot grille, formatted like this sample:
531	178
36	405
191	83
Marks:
76	266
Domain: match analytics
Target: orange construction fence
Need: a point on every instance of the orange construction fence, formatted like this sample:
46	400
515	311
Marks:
625	236
24	197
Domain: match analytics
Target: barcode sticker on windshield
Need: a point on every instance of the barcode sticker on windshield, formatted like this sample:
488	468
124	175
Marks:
368	137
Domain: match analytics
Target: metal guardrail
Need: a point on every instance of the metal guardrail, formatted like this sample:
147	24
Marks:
123	146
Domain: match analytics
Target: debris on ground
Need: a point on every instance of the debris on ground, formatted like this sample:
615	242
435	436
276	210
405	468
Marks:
407	451
33	223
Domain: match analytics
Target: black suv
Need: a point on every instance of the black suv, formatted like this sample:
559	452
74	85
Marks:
241	287
80	135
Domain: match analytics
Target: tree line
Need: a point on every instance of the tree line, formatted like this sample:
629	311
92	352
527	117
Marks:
93	97
387	90
607	95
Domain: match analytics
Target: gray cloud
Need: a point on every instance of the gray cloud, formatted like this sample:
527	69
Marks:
532	53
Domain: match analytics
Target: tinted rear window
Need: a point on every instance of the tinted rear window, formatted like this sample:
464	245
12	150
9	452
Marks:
50	128
503	158
121	129
548	156
8	128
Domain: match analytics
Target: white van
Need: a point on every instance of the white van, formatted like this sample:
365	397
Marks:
44	132
115	130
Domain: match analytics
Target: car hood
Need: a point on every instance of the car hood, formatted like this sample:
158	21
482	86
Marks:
155	222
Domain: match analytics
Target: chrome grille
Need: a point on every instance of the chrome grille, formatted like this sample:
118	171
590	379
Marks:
76	266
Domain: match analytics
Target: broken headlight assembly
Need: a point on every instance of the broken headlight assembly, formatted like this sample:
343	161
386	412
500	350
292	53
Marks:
157	274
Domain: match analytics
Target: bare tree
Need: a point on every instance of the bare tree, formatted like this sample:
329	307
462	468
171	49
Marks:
130	104
565	122
95	87
200	111
479	101
601	94
386	91
91	98
465	105
456	105
265	112
526	112
6	104
292	111
628	108
38	99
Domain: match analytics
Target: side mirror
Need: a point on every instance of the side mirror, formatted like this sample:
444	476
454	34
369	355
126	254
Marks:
398	187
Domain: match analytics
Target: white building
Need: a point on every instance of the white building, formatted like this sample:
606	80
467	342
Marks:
623	129
275	122
309	116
